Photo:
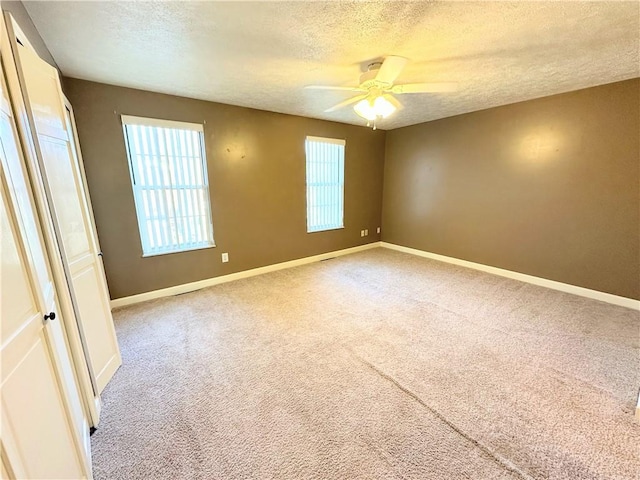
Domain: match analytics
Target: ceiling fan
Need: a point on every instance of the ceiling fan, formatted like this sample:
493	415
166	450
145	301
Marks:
376	101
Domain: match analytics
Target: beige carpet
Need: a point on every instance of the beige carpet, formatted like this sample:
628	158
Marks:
376	365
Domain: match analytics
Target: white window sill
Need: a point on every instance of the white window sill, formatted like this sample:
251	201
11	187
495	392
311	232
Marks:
145	255
326	230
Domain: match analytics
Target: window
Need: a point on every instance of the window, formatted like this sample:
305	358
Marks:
170	187
325	183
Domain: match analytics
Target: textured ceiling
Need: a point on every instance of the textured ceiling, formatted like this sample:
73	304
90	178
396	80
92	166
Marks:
262	54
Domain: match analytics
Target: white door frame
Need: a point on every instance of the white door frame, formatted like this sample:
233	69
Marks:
26	128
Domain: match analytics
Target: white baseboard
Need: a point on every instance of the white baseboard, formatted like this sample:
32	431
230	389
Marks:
543	282
190	287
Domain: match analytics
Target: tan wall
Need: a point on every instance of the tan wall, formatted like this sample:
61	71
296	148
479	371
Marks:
548	187
256	167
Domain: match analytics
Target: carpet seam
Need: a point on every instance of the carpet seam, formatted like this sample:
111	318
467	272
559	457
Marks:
503	462
556	372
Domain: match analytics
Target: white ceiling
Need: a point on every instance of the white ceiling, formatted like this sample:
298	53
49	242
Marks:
262	54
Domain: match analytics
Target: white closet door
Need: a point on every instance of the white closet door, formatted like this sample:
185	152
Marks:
70	212
44	428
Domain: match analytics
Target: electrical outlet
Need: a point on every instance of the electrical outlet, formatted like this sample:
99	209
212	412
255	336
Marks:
225	257
378	230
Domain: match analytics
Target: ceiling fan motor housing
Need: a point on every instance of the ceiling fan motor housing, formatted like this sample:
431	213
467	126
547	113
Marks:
368	78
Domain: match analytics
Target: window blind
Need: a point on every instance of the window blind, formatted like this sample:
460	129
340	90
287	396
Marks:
170	185
325	183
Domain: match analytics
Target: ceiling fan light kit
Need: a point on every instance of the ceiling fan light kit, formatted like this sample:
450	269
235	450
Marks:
377	102
373	109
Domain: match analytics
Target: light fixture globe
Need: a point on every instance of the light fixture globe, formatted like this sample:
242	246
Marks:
375	107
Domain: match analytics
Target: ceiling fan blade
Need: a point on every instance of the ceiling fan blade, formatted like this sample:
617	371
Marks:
345	103
425	87
391	68
393	101
327	87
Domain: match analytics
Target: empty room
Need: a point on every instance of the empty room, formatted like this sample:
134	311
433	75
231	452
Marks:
320	240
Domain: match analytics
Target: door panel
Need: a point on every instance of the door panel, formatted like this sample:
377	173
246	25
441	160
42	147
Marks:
16	314
70	211
42	435
17	175
91	299
61	179
15	285
37	433
69	382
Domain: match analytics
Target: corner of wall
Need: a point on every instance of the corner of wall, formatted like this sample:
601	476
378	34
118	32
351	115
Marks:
384	233
384	168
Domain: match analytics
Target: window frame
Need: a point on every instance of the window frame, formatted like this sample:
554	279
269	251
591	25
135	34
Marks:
336	141
136	189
